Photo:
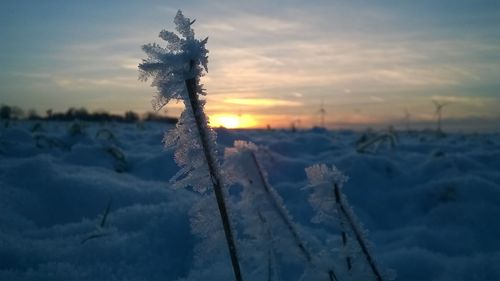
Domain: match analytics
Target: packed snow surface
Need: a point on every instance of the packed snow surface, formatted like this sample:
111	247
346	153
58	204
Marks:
93	201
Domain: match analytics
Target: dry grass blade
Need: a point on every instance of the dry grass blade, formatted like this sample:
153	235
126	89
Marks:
98	232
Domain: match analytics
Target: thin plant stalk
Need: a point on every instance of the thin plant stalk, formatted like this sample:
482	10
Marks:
213	167
332	275
274	202
284	217
347	258
269	266
377	140
271	257
343	234
357	232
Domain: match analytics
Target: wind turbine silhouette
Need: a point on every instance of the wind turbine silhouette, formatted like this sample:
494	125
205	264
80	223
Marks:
296	122
407	119
439	113
322	113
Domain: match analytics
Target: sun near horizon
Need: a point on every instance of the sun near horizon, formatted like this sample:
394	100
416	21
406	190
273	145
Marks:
363	64
233	121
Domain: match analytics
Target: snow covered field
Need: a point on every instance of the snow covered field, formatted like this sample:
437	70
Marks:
431	205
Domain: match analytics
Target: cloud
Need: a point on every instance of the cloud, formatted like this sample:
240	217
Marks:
477	101
376	99
291	65
130	63
31	75
261	102
289	55
89	84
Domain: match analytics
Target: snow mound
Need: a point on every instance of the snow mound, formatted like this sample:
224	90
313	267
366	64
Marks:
430	205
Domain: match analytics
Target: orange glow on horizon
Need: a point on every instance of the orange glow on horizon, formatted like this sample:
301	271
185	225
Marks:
277	121
232	121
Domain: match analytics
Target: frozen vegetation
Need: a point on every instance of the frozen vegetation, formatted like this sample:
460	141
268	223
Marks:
176	71
430	204
89	201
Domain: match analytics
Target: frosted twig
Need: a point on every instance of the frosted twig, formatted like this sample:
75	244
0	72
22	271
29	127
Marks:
271	194
213	168
331	206
362	147
99	232
279	210
357	232
272	265
176	71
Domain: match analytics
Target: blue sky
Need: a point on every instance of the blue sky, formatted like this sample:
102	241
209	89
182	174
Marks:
367	61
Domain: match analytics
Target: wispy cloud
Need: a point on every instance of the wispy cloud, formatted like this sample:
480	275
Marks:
357	57
262	102
467	100
31	75
87	83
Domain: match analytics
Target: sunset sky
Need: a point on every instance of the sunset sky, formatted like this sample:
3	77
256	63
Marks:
270	62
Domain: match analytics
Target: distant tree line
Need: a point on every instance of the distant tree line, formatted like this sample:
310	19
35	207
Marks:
15	113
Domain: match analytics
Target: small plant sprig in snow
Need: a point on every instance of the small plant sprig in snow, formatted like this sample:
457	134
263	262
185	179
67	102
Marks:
331	207
262	206
102	229
175	71
371	144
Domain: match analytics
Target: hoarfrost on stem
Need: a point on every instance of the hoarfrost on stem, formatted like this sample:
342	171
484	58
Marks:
267	221
321	199
332	208
183	58
176	70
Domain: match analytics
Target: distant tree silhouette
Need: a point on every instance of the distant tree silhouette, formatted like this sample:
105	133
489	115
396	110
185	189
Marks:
16	113
33	115
81	114
151	116
13	112
5	112
131	116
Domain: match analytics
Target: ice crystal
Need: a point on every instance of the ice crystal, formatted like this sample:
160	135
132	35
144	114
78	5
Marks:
183	58
332	209
266	220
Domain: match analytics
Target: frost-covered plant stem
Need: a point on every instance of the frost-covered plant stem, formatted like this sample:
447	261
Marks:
344	237
347	258
272	265
363	147
332	275
261	203
345	212
332	208
176	70
284	217
213	168
279	210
